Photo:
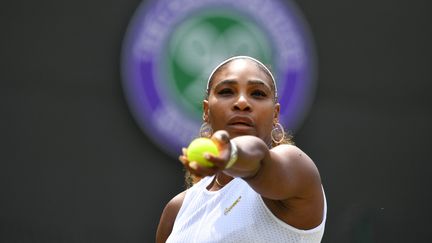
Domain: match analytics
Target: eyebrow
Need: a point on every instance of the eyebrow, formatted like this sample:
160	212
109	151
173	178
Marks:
258	82
250	82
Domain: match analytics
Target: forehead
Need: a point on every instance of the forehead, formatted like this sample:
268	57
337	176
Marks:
242	68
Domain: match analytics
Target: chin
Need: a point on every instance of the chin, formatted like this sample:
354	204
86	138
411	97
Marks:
237	133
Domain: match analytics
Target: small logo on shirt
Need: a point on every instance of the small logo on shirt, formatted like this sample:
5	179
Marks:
228	209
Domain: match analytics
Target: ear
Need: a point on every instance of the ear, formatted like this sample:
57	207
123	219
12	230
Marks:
276	113
205	111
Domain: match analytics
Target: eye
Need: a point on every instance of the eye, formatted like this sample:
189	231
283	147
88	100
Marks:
225	92
259	93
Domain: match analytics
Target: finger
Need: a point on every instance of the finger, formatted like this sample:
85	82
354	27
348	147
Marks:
187	166
218	161
195	168
184	160
221	138
202	170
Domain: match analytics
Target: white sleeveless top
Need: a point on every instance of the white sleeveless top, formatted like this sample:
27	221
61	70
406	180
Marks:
235	213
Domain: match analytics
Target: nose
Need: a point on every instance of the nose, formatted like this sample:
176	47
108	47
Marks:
242	104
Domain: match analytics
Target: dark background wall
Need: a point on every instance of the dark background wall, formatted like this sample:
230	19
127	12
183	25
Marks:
74	166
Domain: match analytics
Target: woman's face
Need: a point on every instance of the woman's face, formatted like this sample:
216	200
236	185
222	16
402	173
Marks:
241	100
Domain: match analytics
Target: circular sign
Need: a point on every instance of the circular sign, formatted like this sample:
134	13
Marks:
171	47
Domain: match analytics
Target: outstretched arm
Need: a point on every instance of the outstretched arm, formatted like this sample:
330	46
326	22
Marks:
284	175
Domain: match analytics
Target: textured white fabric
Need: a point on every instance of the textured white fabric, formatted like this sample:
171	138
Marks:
236	213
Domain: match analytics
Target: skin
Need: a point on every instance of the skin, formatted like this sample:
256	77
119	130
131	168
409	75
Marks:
241	108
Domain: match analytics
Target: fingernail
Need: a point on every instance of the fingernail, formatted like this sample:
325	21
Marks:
193	165
224	137
206	156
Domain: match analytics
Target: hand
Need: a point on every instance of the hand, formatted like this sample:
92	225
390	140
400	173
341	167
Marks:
222	141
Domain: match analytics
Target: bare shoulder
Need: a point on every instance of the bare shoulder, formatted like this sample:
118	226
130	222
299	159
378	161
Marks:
297	160
174	205
168	217
292	152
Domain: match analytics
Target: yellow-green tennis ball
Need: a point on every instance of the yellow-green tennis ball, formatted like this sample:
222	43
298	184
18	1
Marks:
198	147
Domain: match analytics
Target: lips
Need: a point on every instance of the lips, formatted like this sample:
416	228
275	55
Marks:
241	121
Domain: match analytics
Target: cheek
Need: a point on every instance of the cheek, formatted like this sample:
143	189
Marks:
266	121
216	116
267	126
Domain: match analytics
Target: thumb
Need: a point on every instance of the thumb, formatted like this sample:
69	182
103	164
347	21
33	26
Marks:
221	138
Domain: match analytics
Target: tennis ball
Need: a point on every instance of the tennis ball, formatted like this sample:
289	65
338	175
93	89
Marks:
198	147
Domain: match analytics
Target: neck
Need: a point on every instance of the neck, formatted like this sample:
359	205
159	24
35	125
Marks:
221	179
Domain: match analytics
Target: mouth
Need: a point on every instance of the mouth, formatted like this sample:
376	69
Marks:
240	124
241	121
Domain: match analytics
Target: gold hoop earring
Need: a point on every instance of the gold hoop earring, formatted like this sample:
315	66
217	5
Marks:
206	130
277	133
